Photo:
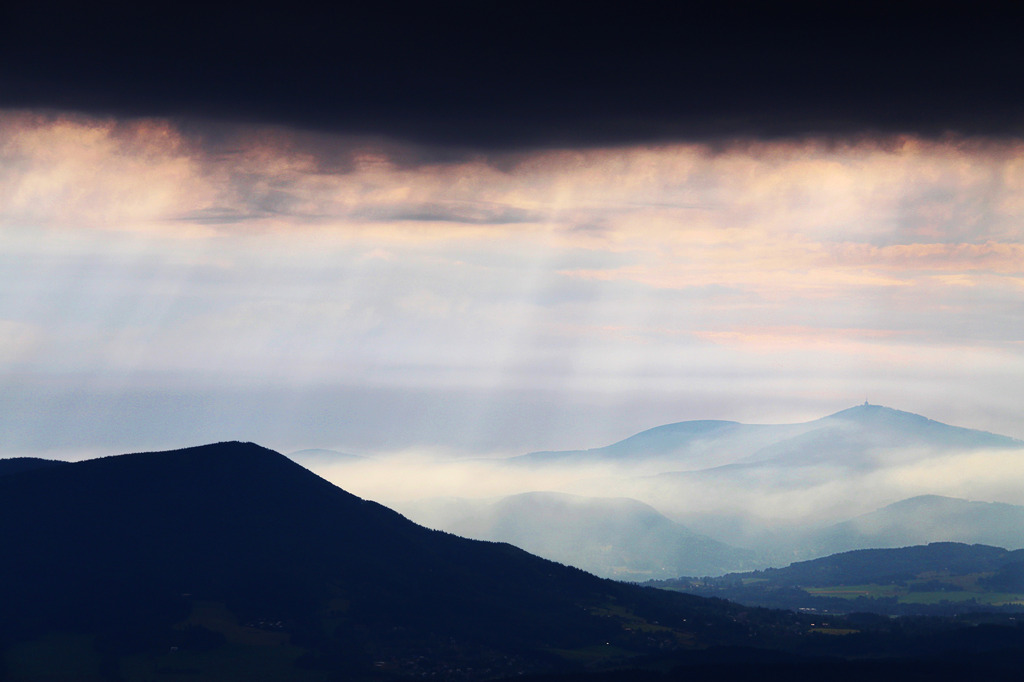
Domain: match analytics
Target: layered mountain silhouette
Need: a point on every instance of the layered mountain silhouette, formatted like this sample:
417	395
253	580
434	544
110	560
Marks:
708	497
849	435
778	489
231	562
856	436
881	566
315	457
129	550
611	537
684	445
938	578
924	519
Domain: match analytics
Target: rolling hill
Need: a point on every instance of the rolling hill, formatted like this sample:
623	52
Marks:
313	457
786	492
689	445
765	487
611	537
231	562
924	519
232	551
852	434
946	578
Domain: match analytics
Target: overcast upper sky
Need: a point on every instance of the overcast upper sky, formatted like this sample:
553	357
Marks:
503	74
496	228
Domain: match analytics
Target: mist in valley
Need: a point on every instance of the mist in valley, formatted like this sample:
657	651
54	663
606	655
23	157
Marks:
706	497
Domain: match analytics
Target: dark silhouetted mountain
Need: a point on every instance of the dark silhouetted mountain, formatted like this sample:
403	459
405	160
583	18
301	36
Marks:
611	537
231	562
125	548
16	465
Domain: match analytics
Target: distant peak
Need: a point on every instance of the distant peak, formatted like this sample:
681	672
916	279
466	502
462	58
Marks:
925	500
937	501
229	446
868	407
866	410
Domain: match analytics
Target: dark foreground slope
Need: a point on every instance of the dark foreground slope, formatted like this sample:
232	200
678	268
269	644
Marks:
230	562
139	555
16	465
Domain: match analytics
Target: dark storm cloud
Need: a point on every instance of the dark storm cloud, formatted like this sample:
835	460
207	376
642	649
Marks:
499	75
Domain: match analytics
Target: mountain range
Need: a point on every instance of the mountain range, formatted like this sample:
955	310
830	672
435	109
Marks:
612	537
312	457
924	519
720	495
233	550
946	578
852	435
231	562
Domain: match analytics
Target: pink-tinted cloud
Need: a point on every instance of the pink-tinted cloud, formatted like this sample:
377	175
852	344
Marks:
328	258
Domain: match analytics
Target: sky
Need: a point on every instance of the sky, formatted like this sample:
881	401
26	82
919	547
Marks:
489	231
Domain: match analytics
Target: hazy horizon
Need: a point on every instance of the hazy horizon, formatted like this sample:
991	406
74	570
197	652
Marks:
574	230
168	288
441	322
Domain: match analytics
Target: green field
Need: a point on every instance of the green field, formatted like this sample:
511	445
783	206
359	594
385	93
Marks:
961	588
854	591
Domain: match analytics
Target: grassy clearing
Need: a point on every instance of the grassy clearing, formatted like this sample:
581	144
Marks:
992	598
968	581
854	591
962	589
939	597
834	631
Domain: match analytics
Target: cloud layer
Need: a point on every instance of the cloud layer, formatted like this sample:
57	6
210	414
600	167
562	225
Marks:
143	252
